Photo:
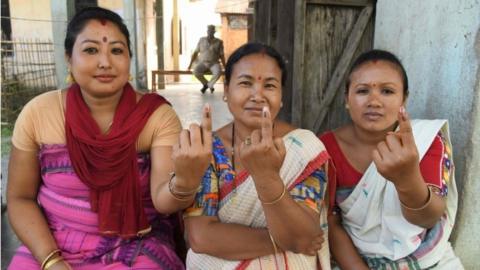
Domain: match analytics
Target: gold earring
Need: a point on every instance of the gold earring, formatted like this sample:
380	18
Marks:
69	79
224	98
347	107
281	104
130	77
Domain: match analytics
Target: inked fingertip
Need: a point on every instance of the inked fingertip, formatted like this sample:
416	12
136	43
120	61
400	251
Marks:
207	109
265	111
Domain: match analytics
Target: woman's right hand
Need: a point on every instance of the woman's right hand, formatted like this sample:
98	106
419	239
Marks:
261	154
192	155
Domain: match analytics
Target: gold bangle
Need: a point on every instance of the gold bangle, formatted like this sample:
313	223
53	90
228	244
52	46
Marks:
53	261
284	191
49	257
181	198
171	187
273	243
421	207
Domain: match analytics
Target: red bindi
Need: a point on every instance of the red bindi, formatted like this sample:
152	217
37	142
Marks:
259	78
375	61
103	21
104	39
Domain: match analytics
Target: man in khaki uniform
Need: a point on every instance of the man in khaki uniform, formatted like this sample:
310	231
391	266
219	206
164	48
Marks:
209	50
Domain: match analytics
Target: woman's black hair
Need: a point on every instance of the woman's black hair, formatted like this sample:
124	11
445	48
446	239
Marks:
377	55
80	19
253	48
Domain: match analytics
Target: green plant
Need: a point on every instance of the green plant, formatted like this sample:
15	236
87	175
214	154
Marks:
6	136
15	94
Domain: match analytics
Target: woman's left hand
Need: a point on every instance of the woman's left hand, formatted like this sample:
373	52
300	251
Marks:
397	157
192	155
261	154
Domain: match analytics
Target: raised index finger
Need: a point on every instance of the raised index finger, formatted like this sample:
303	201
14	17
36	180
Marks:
266	125
207	126
404	126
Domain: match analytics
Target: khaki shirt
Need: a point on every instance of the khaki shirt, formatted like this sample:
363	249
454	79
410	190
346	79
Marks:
209	51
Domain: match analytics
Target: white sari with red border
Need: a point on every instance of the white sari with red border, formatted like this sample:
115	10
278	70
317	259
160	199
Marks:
372	214
304	154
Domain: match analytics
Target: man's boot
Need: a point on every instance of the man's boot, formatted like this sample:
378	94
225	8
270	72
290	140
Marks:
204	88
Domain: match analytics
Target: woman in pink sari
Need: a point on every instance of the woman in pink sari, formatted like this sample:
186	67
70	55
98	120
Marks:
91	183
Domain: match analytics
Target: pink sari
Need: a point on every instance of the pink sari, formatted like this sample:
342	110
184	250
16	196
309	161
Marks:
65	202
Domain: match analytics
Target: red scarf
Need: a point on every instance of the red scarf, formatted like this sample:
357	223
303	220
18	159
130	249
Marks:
107	163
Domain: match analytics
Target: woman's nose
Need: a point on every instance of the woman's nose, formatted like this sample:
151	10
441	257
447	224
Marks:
103	61
374	99
258	93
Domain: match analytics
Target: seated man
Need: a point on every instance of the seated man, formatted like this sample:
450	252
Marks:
209	50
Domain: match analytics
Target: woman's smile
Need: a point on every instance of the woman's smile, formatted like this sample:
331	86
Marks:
105	78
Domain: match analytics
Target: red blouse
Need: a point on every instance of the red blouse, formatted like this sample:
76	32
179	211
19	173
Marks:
342	174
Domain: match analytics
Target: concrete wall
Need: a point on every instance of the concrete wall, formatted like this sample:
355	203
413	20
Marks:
436	41
468	221
31	19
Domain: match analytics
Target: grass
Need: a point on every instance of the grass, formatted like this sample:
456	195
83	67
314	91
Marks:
6	135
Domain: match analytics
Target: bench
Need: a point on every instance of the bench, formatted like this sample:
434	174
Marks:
156	73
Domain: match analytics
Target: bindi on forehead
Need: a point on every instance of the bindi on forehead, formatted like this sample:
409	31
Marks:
104	39
103	22
259	78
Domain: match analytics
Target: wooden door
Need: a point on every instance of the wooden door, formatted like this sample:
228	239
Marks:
320	38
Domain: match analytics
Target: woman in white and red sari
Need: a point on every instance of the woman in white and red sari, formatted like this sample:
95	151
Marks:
261	204
394	197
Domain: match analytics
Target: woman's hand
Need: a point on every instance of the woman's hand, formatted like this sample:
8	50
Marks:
192	155
397	160
261	154
314	246
397	157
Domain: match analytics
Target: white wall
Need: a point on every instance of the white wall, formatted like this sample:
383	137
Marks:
195	17
436	39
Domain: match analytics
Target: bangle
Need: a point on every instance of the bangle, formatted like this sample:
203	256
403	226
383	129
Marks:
49	257
284	191
421	207
273	243
52	262
179	195
181	198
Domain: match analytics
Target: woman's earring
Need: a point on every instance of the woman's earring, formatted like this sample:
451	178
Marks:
347	107
281	104
69	79
224	98
130	77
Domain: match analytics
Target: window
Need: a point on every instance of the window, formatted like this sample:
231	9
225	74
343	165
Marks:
7	46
